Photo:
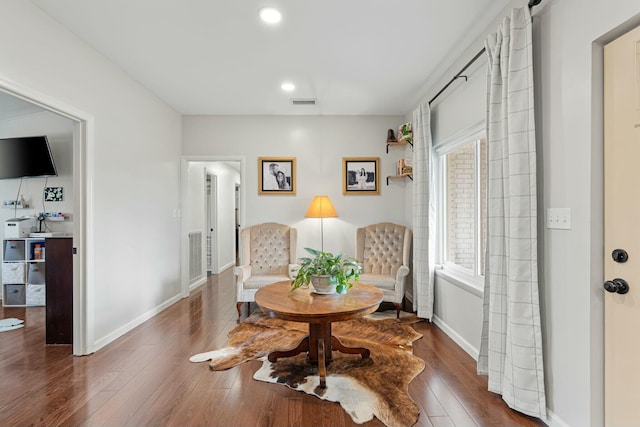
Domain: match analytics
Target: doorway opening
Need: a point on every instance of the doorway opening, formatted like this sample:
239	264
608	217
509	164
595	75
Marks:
213	206
82	139
237	208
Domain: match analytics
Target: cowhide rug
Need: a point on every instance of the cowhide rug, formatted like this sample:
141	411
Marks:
377	386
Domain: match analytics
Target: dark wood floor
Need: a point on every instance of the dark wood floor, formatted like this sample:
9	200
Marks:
145	378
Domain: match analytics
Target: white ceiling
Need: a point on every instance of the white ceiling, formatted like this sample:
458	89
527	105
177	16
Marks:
357	57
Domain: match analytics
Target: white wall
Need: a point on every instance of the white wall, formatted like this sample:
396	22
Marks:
569	75
196	215
59	131
133	167
319	143
457	309
568	36
462	105
196	196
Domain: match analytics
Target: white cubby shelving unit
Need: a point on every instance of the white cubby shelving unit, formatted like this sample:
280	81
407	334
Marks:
23	272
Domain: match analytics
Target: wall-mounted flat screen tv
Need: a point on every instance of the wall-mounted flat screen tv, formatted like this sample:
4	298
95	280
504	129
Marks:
25	157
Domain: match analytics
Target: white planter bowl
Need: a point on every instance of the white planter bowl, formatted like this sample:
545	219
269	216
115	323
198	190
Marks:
321	285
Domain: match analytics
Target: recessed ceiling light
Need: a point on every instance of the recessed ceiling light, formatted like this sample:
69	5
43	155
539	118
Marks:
270	15
287	87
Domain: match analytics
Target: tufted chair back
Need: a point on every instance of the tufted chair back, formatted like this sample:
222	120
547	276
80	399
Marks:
268	256
267	248
384	252
382	248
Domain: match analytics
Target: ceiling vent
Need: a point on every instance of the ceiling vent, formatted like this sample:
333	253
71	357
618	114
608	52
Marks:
303	101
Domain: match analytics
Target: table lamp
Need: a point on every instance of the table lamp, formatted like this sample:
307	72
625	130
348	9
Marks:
321	207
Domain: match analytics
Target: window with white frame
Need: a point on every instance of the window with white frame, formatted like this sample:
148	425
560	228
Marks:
462	202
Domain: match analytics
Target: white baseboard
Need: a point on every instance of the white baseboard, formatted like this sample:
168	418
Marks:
227	265
554	421
457	338
98	344
197	284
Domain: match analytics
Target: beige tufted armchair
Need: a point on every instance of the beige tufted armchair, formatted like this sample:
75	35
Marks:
269	256
384	250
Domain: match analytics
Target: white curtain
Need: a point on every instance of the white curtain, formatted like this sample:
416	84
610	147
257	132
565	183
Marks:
423	214
511	347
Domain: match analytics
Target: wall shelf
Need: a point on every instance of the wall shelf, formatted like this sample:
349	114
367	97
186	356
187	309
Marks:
404	175
15	206
398	143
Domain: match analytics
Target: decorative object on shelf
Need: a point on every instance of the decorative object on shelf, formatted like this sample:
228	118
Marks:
19	203
408	166
321	207
391	137
360	175
53	216
328	273
405	133
37	252
404	167
53	194
277	175
403	139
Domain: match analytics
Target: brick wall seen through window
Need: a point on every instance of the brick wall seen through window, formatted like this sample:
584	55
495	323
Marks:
464	223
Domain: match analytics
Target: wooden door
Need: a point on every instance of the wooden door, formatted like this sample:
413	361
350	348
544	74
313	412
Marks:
622	230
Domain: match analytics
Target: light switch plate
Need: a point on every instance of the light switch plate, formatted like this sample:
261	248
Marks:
559	218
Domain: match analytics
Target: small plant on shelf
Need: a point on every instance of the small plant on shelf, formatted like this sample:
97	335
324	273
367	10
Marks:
405	132
335	270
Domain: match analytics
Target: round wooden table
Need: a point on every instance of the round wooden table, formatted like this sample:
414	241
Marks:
319	311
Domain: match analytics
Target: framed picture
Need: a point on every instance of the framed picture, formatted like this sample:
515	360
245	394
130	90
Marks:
360	175
53	194
277	175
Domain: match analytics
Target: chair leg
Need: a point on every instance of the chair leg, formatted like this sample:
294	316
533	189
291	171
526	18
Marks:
239	308
398	308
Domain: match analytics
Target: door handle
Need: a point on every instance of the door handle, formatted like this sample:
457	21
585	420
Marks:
620	255
618	286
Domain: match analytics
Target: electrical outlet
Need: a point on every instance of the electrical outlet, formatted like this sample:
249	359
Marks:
559	218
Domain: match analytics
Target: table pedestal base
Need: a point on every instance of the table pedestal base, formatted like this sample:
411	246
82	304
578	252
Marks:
319	344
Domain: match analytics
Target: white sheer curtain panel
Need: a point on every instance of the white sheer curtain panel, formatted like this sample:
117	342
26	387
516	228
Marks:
511	347
423	214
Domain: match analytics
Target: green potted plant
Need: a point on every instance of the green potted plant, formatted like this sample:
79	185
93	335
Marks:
328	273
